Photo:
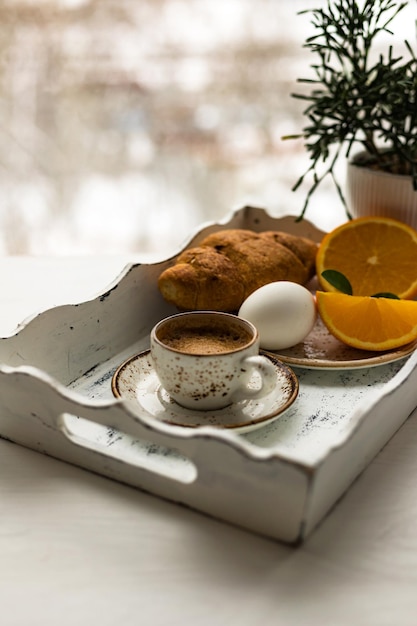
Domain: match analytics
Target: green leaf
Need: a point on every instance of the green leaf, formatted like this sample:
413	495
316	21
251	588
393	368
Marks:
358	94
338	281
385	294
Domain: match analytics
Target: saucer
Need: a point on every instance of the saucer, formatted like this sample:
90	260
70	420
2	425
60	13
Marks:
136	380
320	350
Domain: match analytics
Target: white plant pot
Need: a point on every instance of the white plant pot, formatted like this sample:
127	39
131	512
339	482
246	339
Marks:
371	192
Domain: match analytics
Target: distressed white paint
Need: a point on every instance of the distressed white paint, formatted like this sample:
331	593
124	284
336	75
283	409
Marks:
280	481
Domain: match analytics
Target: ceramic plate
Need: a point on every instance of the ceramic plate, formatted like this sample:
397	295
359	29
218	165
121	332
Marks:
136	380
321	350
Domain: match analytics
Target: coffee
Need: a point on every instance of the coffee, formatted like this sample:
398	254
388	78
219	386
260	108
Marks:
205	340
204	360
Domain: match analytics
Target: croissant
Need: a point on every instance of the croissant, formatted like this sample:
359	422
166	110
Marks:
229	265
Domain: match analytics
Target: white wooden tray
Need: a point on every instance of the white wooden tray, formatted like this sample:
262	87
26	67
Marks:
279	481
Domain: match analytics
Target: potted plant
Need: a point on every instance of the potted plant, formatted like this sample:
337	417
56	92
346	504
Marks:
361	98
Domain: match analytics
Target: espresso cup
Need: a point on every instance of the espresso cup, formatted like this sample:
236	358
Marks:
206	360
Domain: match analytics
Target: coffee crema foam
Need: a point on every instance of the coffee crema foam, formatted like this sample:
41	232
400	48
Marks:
205	340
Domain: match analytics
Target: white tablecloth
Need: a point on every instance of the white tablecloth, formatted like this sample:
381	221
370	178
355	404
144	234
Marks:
76	548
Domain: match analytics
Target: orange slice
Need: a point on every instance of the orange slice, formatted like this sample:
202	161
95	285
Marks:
368	323
376	254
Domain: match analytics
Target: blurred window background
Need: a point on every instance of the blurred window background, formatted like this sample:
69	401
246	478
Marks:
125	124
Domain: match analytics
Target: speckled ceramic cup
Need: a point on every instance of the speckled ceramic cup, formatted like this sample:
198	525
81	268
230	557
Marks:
206	360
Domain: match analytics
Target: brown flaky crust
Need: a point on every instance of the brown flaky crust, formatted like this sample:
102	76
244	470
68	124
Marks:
229	265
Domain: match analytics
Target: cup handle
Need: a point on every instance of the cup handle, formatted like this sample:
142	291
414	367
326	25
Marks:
268	377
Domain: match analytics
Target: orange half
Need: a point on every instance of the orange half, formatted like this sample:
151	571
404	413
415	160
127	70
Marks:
368	323
376	254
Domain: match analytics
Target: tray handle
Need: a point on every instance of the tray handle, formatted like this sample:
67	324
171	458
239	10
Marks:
108	437
128	443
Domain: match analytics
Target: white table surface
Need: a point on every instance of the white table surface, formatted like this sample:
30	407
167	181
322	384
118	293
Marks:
76	548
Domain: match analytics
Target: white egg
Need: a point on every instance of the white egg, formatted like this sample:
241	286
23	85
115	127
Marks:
283	312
